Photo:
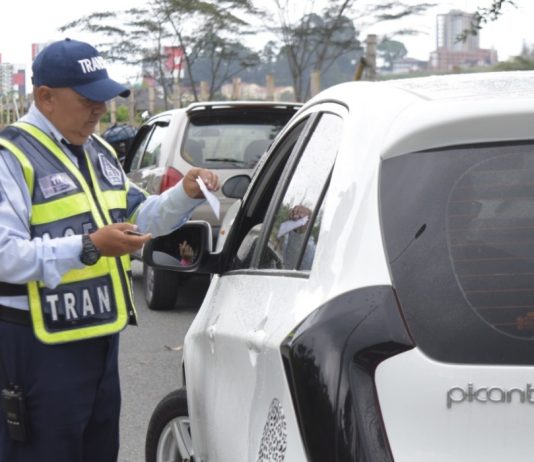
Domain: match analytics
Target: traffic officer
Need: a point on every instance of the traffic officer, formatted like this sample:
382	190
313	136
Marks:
66	209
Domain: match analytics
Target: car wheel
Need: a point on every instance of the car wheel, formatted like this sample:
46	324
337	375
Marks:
168	436
160	287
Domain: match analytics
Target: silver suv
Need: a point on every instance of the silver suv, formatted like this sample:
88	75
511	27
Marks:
228	137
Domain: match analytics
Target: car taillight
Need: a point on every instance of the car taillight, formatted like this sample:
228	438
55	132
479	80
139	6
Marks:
330	360
170	178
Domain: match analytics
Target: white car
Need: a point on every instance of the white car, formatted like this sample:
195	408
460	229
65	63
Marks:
374	297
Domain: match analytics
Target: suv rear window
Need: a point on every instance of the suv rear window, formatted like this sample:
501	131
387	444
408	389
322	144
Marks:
459	231
227	140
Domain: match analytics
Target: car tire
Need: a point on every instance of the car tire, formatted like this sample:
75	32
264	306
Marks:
168	436
160	288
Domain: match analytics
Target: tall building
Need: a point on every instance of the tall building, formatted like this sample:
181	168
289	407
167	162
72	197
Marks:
450	26
37	48
451	52
6	78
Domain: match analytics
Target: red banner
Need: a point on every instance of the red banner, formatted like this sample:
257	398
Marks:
18	78
175	58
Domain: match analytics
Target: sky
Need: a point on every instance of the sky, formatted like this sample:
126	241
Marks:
24	23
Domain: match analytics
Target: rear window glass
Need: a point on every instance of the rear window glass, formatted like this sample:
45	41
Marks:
459	231
231	140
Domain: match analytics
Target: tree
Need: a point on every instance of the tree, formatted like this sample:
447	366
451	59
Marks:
316	39
391	50
221	59
217	26
137	36
484	15
132	37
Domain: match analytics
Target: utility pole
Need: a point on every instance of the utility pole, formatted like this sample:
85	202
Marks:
367	64
315	82
236	88
269	83
151	99
131	106
113	111
370	56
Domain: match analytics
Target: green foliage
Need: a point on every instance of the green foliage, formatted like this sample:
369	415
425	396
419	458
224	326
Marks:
391	50
122	114
518	63
484	15
212	34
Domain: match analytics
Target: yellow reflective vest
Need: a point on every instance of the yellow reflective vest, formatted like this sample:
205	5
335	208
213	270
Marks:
96	300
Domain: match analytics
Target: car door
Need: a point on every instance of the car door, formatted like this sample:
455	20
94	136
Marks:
238	396
143	162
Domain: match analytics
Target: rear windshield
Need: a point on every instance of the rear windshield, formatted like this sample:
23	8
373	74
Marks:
459	231
230	140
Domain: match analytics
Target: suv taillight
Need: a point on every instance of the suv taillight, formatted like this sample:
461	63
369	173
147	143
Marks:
170	178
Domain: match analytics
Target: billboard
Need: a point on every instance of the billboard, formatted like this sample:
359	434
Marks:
175	58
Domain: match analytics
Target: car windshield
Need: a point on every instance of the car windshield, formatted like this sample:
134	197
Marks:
230	142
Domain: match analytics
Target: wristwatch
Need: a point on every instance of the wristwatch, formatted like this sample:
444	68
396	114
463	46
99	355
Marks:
90	254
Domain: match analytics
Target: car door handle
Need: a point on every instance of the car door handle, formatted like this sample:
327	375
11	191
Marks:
256	337
256	340
211	332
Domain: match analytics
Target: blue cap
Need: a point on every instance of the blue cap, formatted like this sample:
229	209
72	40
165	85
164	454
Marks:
76	65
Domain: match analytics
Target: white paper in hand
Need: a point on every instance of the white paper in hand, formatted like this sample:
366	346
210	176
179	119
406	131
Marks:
290	225
212	199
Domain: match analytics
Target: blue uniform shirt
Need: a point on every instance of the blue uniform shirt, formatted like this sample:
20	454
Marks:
23	259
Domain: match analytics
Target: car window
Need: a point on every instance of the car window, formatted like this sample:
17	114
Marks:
148	151
458	226
295	228
231	141
249	223
153	148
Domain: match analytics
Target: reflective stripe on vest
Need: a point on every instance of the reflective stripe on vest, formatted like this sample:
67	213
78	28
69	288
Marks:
89	302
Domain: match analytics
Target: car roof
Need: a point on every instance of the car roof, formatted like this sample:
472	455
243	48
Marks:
198	108
208	105
412	115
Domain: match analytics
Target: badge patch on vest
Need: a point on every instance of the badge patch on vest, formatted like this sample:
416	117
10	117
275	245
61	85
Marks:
78	304
55	184
110	172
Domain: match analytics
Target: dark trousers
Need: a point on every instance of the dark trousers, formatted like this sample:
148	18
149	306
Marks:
72	395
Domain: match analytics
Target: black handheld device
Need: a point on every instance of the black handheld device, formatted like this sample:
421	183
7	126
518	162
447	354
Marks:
15	413
133	233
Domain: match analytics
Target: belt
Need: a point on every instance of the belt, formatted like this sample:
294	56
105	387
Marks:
15	316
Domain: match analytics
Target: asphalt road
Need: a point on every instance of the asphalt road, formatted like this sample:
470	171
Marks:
150	367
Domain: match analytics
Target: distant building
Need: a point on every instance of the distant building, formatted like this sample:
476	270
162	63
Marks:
253	91
13	76
451	52
406	65
6	78
37	48
450	26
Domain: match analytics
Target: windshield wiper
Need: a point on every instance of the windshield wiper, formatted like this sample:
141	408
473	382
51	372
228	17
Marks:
224	160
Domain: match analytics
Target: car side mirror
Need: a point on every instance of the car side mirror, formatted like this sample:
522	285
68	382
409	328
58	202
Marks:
187	249
145	115
236	186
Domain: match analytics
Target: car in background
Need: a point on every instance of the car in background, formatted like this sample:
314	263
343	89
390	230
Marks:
228	137
120	136
373	299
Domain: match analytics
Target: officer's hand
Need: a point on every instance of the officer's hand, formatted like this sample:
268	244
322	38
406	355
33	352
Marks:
191	187
113	241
